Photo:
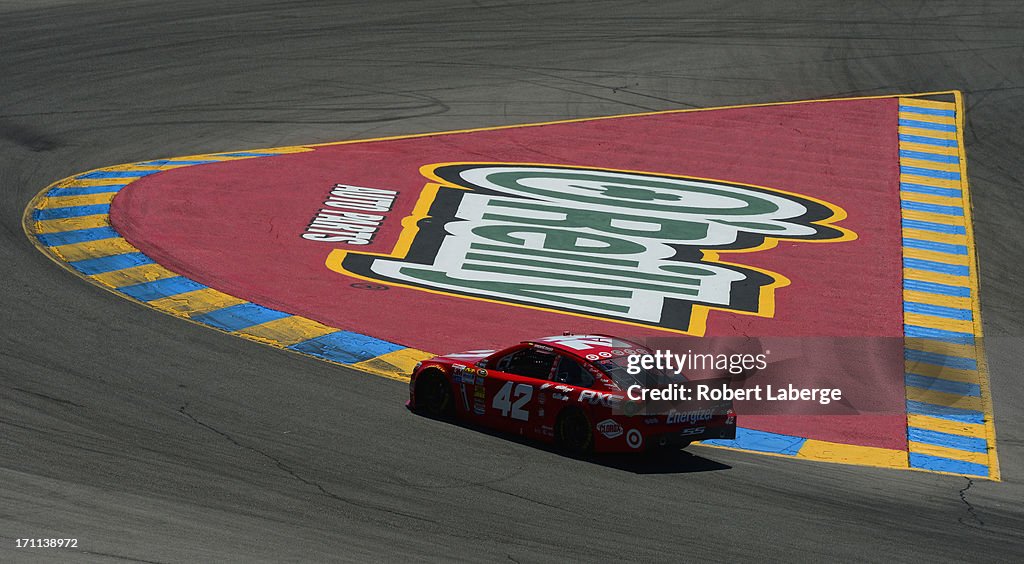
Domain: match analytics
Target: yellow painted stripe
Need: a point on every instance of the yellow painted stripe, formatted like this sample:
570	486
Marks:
929	181
853	454
945	452
942	398
397	365
85	182
934	149
946	426
941	347
932	199
93	249
920	132
936	299
133	275
946	258
71	223
931	165
937	277
950	120
938	322
944	372
950	238
933	217
286	331
196	302
923	103
68	201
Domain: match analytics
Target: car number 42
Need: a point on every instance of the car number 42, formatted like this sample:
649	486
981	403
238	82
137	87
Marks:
511	401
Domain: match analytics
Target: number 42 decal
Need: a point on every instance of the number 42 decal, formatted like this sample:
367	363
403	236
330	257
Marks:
511	403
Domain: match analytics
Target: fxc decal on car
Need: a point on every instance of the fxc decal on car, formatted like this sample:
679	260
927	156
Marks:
626	246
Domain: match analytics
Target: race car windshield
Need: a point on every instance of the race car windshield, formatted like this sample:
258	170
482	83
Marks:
617	369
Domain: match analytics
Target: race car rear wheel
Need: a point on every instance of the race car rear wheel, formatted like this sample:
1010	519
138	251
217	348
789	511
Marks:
434	395
573	433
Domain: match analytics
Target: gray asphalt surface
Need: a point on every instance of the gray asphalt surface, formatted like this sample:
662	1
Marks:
155	440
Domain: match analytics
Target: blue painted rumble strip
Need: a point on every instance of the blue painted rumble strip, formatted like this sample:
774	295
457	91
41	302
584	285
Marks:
935	246
149	291
935	157
117	174
932	226
945	412
71	211
918	171
950	361
77	236
345	347
918	332
938	464
948	440
940	267
931	190
936	288
941	385
927	111
240	316
928	140
761	441
938	311
111	263
85	190
932	208
173	162
927	125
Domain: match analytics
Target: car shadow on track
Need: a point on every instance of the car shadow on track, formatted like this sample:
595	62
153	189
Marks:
665	461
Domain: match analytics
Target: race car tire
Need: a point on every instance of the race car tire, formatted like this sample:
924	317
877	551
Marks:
434	395
573	432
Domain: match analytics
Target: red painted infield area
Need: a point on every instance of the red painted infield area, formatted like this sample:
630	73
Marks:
237	227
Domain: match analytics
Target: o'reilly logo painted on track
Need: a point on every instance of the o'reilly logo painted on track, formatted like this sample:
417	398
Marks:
623	246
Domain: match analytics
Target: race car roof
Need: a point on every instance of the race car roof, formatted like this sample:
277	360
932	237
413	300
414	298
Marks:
583	345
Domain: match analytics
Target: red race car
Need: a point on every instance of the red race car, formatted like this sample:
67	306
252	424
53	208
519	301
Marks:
570	390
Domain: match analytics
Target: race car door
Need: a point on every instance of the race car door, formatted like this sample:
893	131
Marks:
512	385
568	379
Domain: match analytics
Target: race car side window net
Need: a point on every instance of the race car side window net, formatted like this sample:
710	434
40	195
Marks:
528	362
570	372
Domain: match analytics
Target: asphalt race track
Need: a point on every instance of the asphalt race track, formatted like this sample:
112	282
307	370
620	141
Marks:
150	439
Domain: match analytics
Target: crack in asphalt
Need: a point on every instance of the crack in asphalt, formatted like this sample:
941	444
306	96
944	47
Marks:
970	508
531	500
287	469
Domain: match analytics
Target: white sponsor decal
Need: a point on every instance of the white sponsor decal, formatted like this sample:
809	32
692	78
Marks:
609	428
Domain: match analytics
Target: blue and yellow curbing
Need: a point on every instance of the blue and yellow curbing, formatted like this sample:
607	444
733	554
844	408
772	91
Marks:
950	424
70	222
949	408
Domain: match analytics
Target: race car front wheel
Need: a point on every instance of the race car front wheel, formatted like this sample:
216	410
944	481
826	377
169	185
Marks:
573	433
434	395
